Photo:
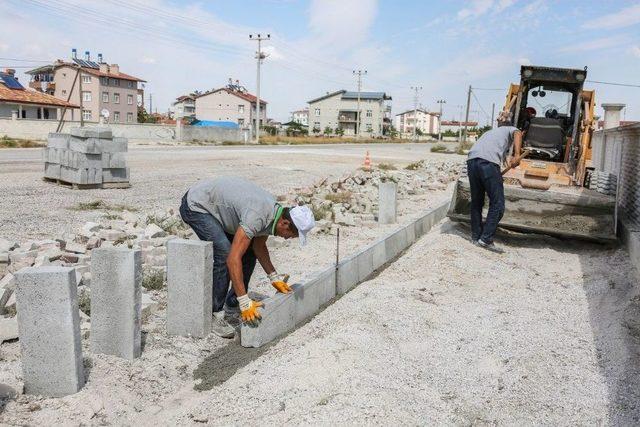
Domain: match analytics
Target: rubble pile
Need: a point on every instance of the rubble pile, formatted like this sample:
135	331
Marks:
149	233
353	199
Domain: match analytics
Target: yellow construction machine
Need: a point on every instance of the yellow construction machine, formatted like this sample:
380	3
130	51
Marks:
547	193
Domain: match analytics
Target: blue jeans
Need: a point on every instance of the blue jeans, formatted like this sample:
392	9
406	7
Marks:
207	228
485	178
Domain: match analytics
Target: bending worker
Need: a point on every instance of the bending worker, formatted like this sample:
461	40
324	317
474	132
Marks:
483	165
238	217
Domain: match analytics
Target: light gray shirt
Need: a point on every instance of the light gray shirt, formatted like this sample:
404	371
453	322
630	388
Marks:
234	202
494	145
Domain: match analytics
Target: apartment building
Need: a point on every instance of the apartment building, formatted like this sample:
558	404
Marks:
231	104
185	106
339	110
425	121
301	117
100	88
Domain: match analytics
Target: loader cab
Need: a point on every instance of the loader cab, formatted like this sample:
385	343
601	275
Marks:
555	95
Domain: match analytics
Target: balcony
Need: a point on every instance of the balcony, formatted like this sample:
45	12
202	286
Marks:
347	116
46	87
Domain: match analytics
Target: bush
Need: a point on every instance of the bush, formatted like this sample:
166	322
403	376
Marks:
438	148
342	197
387	166
153	280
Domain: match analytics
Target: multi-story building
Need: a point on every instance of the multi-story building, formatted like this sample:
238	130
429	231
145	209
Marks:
456	125
339	110
185	106
231	104
424	121
301	117
100	88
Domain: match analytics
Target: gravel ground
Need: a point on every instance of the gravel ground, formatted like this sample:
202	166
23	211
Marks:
448	334
160	175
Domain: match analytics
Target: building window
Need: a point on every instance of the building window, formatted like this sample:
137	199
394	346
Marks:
116	116
104	80
129	84
317	112
86	79
129	117
64	91
240	122
316	125
86	96
116	98
369	128
241	109
115	82
105	96
130	99
86	114
369	113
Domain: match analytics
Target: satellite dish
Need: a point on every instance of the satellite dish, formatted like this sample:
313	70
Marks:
105	113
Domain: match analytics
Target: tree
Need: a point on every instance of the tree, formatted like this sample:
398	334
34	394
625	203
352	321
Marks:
316	130
144	117
328	130
393	132
419	132
339	131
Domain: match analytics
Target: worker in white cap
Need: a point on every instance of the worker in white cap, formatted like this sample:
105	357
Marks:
238	217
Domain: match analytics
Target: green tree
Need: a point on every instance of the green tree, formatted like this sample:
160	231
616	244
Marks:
328	130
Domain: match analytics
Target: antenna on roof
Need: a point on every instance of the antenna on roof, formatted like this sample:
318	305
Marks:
87	55
99	58
74	53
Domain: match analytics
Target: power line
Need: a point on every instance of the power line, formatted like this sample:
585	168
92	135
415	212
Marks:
479	105
612	84
23	60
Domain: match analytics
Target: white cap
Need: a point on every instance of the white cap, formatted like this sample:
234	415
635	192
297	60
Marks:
302	218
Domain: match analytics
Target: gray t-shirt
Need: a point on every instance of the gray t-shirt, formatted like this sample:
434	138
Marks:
234	202
494	145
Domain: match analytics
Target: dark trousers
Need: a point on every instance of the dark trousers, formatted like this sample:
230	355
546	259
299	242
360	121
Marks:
485	178
209	229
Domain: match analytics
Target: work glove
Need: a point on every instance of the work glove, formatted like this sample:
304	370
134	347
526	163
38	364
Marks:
279	281
249	310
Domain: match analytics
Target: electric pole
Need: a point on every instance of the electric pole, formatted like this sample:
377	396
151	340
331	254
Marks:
440	101
259	57
359	73
466	117
493	112
150	103
415	111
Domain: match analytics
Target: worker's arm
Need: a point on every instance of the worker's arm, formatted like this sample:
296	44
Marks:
517	148
262	253
248	308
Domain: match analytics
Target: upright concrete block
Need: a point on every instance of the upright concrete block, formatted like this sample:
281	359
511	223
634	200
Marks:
347	275
116	278
379	256
115	145
306	300
365	263
387	203
58	140
49	329
278	318
325	282
395	243
190	287
92	132
410	232
115	175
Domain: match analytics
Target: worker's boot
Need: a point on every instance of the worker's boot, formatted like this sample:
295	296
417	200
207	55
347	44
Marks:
490	247
221	327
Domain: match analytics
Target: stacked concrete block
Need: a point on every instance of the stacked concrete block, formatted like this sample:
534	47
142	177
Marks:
116	277
282	313
86	156
49	329
190	287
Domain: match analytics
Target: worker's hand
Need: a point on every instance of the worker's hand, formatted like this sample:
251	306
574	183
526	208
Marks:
514	162
279	281
249	310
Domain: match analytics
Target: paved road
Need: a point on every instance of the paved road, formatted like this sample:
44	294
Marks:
160	175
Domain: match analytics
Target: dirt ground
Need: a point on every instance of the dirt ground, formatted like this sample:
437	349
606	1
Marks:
548	333
448	334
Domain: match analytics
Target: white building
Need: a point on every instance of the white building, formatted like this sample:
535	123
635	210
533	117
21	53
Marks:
339	110
185	106
231	104
301	117
427	122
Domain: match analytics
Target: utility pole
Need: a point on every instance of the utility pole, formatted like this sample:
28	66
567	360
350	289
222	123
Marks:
466	117
440	101
150	103
415	111
359	73
81	100
259	57
493	113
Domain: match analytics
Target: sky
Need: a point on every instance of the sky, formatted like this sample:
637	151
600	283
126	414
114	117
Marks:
440	47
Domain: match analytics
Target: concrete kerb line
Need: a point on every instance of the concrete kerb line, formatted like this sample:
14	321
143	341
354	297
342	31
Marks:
285	313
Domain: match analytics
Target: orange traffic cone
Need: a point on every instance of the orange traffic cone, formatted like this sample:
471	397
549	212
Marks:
367	162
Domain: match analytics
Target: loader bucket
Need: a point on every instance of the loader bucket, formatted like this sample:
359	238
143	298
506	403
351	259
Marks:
566	212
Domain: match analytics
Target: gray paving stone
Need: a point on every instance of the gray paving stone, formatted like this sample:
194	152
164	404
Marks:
190	287
306	300
116	278
92	132
115	175
365	263
58	140
278	318
379	256
49	329
84	146
325	281
115	145
51	171
388	202
347	275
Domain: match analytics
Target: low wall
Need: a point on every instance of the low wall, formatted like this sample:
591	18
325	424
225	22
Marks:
283	312
139	132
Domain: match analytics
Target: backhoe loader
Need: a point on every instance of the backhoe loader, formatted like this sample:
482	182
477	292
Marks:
546	192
